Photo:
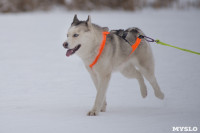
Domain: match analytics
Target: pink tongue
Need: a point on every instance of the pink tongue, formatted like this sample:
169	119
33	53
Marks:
69	52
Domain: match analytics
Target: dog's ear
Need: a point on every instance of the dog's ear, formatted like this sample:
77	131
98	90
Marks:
75	20
88	21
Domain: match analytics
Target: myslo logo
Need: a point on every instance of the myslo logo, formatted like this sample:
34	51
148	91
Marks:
184	129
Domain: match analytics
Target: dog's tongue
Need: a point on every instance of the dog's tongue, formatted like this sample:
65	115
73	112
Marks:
69	52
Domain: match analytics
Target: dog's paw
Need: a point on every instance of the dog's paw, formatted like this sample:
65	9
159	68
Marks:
159	95
103	108
144	92
92	113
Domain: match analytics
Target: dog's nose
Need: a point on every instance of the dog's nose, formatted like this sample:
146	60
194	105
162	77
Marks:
65	45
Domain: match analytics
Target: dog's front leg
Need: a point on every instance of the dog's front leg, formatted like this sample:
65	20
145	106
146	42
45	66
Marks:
93	76
103	81
96	83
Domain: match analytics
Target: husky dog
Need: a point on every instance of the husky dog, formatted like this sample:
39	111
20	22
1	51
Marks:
84	38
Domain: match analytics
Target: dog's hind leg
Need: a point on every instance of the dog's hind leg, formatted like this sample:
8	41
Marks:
131	72
148	72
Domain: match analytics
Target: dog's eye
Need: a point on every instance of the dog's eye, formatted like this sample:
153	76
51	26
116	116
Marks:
75	35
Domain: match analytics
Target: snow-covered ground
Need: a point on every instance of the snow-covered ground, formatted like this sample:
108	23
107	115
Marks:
43	91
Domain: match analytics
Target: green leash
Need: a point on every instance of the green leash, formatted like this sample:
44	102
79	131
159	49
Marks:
187	50
162	43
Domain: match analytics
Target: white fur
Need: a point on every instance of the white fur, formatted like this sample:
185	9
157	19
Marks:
115	57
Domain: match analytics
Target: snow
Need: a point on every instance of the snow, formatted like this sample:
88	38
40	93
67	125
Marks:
43	91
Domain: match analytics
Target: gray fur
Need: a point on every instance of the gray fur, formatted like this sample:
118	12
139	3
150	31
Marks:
115	57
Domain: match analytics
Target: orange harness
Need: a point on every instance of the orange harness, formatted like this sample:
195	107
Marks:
100	49
134	46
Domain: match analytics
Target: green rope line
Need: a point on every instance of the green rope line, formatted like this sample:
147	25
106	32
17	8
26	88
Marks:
162	43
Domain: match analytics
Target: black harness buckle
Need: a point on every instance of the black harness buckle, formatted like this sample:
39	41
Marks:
148	39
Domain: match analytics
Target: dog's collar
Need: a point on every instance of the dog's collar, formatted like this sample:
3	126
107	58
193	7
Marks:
100	49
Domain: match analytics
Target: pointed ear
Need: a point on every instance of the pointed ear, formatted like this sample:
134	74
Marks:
88	21
75	20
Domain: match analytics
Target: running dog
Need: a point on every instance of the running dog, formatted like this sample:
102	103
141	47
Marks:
84	38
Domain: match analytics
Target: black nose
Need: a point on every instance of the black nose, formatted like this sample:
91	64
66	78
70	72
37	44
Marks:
65	45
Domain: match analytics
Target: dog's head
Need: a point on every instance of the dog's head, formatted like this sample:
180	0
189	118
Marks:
76	36
80	36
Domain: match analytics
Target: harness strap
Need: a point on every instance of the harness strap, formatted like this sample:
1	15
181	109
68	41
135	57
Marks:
134	47
100	49
136	44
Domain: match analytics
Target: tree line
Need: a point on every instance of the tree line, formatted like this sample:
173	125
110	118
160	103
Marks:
129	5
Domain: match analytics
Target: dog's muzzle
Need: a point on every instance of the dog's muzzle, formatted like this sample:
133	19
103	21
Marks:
71	51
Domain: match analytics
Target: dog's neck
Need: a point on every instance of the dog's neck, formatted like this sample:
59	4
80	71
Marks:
90	53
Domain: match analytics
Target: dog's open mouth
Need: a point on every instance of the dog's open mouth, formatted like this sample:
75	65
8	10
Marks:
72	51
